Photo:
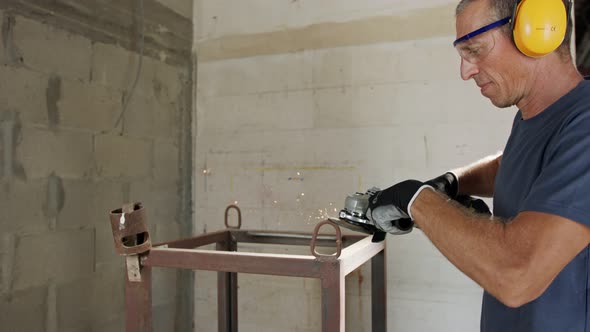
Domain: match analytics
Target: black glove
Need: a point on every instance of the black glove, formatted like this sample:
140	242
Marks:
446	184
398	195
388	209
474	204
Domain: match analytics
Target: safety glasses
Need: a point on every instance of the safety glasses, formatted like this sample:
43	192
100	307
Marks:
476	45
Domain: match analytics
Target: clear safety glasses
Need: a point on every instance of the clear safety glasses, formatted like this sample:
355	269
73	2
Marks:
476	45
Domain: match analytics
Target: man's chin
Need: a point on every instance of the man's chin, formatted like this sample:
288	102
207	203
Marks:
500	103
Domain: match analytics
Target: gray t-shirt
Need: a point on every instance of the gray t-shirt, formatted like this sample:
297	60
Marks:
546	168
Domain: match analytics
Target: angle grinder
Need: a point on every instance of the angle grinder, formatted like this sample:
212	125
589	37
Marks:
354	217
354	214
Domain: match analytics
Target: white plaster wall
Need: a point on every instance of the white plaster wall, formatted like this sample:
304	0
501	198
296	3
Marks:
214	18
288	136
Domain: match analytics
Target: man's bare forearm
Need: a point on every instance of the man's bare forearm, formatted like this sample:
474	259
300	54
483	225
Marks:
476	244
478	178
514	261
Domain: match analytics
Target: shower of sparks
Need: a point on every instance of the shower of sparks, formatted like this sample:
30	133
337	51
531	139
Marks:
319	215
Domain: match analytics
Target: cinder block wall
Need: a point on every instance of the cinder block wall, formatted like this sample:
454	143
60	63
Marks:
298	107
64	165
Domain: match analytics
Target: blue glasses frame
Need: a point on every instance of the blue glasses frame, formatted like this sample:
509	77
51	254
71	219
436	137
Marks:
481	30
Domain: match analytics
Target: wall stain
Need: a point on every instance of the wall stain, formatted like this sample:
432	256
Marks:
13	55
10	138
53	94
407	26
157	85
55	198
110	24
361	278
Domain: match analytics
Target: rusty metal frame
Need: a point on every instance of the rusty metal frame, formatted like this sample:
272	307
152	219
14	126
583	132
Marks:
352	251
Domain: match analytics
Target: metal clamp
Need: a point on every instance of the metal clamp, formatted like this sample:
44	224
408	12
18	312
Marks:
338	241
239	216
131	237
130	230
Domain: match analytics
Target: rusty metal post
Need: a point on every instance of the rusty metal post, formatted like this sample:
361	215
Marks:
132	240
333	299
138	302
227	292
227	282
332	278
378	293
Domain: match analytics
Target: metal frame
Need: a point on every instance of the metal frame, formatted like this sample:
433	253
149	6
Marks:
351	252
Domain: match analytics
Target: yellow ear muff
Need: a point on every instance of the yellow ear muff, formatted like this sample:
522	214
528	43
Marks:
539	26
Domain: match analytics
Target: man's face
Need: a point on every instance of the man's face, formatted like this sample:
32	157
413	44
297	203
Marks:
500	71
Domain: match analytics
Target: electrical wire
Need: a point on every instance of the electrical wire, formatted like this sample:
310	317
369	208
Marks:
139	66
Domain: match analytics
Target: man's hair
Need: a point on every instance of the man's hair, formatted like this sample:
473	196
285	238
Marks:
504	8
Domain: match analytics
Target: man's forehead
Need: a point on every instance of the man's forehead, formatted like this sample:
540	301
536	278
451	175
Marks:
474	16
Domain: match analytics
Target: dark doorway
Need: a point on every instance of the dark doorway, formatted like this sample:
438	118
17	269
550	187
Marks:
582	13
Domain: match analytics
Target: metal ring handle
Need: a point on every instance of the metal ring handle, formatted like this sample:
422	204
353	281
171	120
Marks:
338	241
239	216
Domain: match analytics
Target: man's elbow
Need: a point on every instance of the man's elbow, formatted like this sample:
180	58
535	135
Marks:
520	292
513	300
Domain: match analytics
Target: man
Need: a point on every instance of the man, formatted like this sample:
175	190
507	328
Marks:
532	257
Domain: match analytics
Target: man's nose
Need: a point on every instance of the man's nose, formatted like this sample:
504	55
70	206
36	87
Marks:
468	70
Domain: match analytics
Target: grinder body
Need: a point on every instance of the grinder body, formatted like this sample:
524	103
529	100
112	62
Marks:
354	216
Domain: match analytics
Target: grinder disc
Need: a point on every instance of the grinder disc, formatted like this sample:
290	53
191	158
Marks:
355	226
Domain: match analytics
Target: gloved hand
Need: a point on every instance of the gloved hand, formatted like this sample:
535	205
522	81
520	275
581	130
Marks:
388	209
447	184
473	204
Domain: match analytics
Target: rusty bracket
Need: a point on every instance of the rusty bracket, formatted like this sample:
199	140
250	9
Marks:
131	237
130	231
316	231
235	207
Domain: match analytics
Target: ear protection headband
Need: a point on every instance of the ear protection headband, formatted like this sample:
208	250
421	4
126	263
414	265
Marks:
539	26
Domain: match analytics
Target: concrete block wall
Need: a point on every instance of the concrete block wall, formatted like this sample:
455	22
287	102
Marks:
64	165
301	107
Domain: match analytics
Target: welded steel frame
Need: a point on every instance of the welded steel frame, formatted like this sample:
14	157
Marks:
352	251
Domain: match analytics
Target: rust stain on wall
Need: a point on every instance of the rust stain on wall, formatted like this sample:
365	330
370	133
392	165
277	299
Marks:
413	25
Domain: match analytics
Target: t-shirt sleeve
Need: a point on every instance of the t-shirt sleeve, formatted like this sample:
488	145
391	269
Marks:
563	186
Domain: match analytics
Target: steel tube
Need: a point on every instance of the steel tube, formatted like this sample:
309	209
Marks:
138	302
227	294
241	262
289	238
197	241
358	253
378	293
333	299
